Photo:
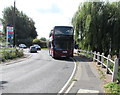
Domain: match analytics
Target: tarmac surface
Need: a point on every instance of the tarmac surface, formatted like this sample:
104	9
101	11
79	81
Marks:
87	78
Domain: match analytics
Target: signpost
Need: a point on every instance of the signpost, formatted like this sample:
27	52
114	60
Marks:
9	35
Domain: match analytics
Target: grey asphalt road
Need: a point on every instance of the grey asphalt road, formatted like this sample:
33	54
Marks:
88	79
38	74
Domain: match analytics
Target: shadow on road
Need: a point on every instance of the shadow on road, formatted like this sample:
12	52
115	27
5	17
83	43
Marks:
79	58
82	59
3	82
64	59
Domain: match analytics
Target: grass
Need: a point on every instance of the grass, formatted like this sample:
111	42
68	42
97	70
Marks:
112	87
6	48
74	79
102	75
77	63
44	48
9	55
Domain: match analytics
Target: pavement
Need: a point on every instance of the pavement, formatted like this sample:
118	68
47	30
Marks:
87	78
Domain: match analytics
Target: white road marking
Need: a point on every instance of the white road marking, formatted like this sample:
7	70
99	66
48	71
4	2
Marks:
61	91
87	91
70	87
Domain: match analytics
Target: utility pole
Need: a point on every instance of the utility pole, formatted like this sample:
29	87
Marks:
110	47
119	57
14	19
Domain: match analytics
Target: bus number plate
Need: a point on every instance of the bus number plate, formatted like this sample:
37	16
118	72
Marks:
63	56
64	51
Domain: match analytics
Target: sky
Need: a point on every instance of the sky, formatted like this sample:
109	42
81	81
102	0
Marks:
45	13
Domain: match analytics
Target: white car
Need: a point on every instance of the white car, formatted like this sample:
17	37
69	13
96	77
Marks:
22	46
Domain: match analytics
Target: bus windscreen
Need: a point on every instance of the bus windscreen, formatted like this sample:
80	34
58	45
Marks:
63	31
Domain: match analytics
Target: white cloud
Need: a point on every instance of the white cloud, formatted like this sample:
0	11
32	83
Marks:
45	13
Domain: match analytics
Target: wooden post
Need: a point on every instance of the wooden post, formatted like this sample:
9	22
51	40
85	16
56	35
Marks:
108	64
91	55
98	58
94	57
102	59
115	70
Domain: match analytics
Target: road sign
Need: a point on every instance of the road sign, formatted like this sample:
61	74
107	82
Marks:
10	34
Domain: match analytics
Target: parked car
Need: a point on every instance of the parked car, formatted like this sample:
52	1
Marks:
33	49
37	46
22	46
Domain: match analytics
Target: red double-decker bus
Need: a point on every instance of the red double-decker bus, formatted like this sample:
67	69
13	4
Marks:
61	42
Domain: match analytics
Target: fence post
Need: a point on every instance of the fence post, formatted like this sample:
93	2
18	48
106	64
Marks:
102	59
91	55
98	58
94	57
115	70
108	64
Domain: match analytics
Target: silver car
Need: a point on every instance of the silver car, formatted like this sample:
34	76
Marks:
37	46
33	49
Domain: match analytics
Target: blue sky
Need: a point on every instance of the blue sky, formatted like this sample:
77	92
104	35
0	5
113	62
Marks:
45	13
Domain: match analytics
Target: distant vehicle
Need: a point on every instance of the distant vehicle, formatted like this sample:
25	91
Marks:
61	42
33	49
37	46
22	46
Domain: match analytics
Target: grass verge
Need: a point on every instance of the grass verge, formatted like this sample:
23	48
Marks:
9	55
112	87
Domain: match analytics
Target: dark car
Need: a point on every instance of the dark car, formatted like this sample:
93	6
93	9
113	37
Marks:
37	46
33	49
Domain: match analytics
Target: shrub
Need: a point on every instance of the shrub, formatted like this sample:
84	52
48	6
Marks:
118	74
12	54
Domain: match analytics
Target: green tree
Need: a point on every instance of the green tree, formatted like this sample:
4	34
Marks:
24	26
36	41
43	42
43	39
97	26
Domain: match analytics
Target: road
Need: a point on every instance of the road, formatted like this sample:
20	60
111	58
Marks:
38	74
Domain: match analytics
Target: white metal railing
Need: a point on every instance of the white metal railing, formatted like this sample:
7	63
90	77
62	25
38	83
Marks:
101	59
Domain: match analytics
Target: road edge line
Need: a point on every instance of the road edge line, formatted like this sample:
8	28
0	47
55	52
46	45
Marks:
66	84
72	84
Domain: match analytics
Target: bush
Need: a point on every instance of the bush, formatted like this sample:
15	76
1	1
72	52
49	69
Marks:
118	74
12	54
